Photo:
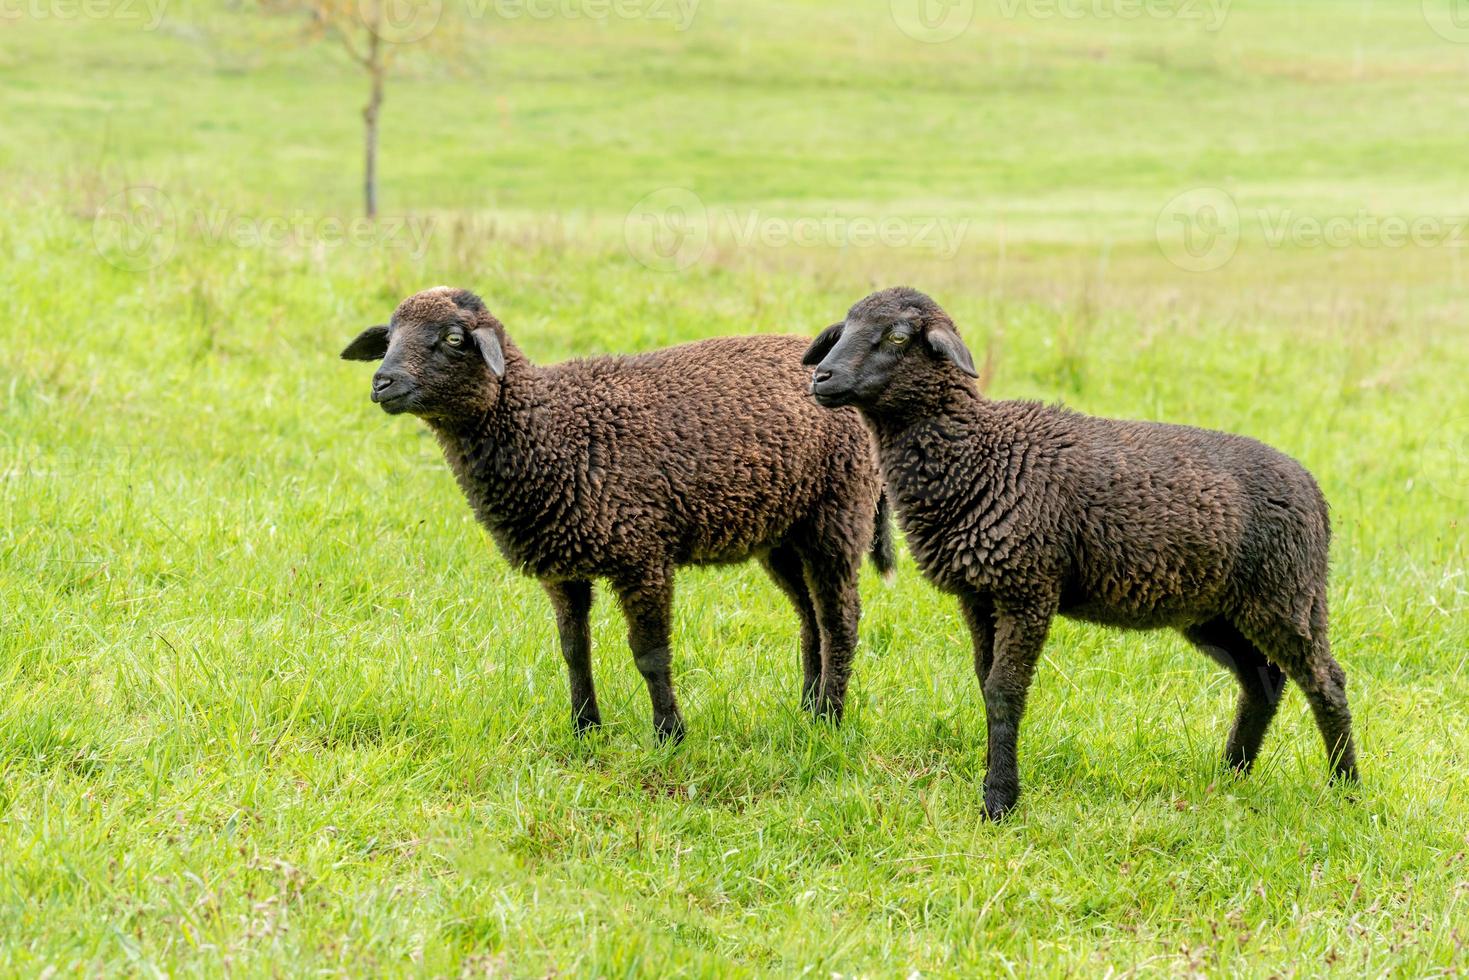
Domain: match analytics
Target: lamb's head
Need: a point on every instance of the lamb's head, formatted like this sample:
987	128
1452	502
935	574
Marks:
889	351
443	356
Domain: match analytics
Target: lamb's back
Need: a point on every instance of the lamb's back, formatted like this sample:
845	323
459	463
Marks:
1169	519
719	435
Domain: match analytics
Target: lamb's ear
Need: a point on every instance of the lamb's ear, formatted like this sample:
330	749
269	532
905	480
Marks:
946	343
490	349
370	345
823	343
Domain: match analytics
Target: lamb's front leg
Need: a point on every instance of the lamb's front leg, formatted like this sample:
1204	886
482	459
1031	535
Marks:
572	603
1020	632
647	603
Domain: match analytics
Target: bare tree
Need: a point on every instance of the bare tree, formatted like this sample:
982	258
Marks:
371	33
375	63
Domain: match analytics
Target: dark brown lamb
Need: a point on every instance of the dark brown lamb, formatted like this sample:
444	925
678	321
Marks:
624	468
1024	510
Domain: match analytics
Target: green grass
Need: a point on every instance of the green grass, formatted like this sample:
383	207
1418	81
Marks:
270	703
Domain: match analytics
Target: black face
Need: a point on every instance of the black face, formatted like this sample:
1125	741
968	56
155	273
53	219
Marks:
439	369
859	361
419	360
893	345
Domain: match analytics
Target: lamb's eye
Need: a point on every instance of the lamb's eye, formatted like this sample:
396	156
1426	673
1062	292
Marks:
897	339
454	339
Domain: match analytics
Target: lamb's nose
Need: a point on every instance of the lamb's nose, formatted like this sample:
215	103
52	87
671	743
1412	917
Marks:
380	381
820	375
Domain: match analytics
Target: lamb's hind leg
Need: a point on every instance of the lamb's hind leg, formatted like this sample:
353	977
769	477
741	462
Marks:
1261	684
833	583
784	566
979	616
1305	654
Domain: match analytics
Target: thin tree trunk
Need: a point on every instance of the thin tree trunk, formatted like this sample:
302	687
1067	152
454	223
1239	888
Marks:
369	118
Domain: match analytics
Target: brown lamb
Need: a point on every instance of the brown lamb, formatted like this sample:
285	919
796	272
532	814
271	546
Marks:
624	468
1024	510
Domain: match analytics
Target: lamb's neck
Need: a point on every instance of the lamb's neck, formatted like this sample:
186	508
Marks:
946	408
512	463
947	454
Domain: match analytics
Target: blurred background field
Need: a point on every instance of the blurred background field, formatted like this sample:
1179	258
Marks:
270	702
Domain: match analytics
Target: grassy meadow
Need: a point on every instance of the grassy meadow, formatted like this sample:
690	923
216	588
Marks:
271	703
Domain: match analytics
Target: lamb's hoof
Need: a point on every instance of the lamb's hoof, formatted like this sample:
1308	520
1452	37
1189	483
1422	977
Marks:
668	731
585	724
1237	765
828	713
998	803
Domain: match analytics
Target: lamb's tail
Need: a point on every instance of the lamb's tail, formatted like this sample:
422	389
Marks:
884	553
